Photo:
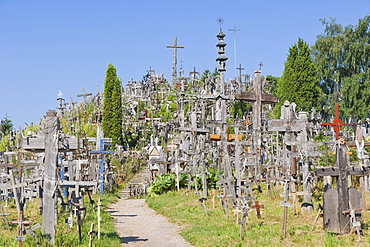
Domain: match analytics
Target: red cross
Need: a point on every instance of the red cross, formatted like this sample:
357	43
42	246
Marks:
337	123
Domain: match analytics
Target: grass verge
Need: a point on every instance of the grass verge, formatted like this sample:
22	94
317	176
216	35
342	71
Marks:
215	229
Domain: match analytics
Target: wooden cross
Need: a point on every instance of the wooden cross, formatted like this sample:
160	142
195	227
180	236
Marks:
240	72
336	200
258	206
84	94
20	222
260	64
337	123
194	73
174	68
257	97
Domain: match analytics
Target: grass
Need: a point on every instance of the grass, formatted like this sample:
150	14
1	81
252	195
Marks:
65	236
217	230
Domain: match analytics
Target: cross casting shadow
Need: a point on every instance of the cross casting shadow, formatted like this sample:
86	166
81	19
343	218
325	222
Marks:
124	215
126	240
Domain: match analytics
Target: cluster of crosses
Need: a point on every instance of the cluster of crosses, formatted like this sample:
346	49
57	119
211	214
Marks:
247	151
200	133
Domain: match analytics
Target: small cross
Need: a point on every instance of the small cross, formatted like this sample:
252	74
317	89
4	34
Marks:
194	73
260	64
257	206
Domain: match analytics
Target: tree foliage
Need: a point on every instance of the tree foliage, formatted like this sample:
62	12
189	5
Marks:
299	82
6	126
342	57
112	107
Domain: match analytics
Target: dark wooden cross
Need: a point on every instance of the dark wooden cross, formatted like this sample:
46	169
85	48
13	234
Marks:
337	123
260	64
337	200
194	73
258	206
240	72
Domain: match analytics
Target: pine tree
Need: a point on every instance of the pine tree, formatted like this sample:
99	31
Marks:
299	82
112	107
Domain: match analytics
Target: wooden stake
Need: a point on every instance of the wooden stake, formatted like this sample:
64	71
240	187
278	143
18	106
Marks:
99	219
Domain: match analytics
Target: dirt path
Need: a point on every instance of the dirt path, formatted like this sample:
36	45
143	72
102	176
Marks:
139	225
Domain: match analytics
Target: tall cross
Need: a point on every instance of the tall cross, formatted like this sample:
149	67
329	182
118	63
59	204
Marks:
174	68
337	123
235	30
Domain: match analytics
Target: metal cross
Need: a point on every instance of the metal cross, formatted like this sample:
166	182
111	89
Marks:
337	123
235	30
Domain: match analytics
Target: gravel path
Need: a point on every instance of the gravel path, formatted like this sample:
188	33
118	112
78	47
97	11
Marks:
139	225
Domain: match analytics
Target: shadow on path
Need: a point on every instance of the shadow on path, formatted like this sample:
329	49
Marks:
126	240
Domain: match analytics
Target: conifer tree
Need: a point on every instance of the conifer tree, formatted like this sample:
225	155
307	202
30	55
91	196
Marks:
112	107
299	82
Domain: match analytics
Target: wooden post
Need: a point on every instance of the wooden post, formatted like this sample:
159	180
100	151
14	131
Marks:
99	218
51	153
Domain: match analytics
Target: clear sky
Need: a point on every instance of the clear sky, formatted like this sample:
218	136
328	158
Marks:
52	46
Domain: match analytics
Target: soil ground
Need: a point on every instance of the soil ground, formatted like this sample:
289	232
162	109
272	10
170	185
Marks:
139	225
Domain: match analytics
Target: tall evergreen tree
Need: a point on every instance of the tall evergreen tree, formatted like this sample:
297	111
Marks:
299	82
342	57
112	107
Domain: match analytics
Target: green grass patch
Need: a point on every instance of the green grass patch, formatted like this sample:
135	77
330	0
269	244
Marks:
65	236
215	229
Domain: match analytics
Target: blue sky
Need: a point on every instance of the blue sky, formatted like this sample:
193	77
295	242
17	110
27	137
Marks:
48	46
